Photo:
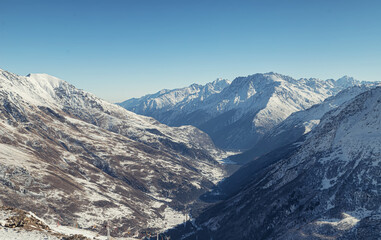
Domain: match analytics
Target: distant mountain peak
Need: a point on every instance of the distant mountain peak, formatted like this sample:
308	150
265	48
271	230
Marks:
347	81
347	78
220	80
167	99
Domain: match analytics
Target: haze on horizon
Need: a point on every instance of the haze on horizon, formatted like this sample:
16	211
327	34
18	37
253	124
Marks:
123	49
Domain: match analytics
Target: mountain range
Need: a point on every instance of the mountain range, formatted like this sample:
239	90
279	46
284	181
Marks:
310	169
237	115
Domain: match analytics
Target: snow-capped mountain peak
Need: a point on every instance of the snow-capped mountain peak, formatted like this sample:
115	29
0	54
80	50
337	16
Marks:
220	82
347	81
35	89
44	81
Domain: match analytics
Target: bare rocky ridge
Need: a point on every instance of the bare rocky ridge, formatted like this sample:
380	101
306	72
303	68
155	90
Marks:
71	157
329	188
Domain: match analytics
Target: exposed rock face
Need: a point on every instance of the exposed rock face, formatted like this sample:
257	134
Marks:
21	219
18	224
237	116
71	157
328	189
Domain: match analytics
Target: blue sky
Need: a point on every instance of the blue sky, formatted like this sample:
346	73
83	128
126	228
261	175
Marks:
122	49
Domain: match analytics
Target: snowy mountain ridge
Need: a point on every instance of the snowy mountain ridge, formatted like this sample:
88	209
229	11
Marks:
242	112
299	123
165	99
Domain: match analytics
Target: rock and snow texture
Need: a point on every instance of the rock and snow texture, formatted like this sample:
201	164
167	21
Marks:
239	114
330	188
74	158
299	124
16	224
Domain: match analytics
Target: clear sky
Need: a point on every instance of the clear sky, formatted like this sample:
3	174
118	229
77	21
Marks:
123	49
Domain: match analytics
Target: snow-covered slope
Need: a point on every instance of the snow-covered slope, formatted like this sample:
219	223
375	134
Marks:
70	156
328	189
239	115
298	124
